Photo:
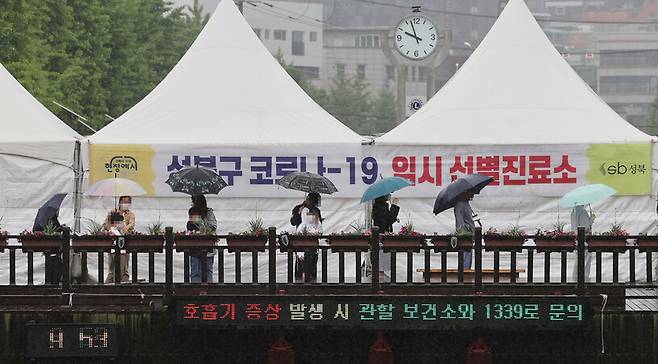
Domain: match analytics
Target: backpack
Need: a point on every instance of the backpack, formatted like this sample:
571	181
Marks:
296	218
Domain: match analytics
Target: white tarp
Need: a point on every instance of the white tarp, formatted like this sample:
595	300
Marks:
516	99
227	97
36	157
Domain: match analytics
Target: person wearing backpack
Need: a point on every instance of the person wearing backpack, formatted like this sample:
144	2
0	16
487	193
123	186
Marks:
307	219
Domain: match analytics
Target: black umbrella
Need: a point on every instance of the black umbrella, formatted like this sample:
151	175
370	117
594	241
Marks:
307	182
196	181
48	211
447	197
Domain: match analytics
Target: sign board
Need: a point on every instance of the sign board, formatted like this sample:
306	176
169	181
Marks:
399	312
55	340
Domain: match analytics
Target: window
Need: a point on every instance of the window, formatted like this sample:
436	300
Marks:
257	31
361	71
266	34
313	37
279	34
629	85
390	72
309	72
367	41
340	70
630	59
422	73
297	43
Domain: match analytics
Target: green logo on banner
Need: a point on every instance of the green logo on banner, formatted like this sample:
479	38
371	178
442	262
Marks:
624	167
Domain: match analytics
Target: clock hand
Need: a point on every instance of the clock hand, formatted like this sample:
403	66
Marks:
413	36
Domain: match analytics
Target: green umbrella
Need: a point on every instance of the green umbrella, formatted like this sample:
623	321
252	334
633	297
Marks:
586	195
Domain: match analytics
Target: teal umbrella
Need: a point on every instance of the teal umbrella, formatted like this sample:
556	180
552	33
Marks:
586	195
384	186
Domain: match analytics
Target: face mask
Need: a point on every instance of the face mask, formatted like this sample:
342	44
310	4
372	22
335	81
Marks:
195	218
124	206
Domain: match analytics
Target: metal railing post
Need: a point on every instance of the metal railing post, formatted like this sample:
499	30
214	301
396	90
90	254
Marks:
581	258
478	258
271	249
169	264
66	261
374	258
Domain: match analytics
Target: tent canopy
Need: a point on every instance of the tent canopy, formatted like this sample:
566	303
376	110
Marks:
514	89
226	90
29	129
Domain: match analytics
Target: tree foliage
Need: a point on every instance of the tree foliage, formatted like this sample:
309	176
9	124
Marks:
652	118
97	57
349	101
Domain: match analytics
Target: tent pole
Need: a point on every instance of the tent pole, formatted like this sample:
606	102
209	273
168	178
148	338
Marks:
78	176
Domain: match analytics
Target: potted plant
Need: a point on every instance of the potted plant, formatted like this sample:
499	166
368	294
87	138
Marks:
647	242
200	239
3	236
355	238
96	238
555	239
406	239
459	239
254	238
510	239
151	242
615	238
3	240
48	239
304	239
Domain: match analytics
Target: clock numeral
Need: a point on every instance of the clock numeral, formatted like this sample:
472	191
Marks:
416	53
433	37
416	20
56	338
399	37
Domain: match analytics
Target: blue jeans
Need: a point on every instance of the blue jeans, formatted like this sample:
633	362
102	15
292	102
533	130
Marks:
195	268
468	258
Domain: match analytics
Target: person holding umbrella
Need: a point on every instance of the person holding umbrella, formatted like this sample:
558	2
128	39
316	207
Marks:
120	221
383	215
47	219
577	199
458	195
311	223
200	214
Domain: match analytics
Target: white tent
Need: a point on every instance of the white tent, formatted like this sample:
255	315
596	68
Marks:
227	97
517	96
37	156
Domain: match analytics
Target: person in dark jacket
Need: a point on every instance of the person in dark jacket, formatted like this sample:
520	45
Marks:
383	215
53	264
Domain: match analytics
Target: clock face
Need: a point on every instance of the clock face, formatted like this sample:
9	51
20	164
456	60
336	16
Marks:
416	37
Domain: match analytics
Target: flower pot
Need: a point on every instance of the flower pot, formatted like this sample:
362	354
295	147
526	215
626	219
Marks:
609	243
145	242
40	243
503	242
191	242
544	244
402	242
647	243
246	242
92	242
299	242
443	242
349	242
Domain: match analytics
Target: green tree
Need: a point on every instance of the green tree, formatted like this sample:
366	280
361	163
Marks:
348	100
652	118
383	112
96	56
